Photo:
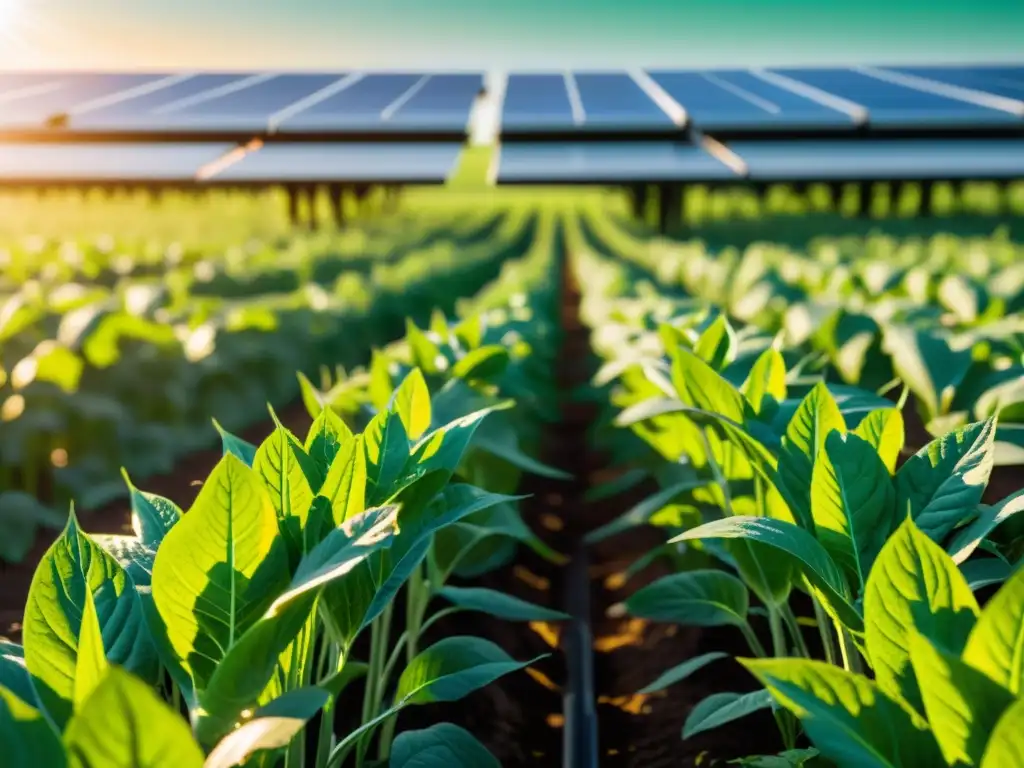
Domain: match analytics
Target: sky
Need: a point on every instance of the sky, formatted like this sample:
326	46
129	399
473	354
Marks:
502	34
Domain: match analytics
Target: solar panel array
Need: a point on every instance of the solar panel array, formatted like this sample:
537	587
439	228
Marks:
598	127
237	103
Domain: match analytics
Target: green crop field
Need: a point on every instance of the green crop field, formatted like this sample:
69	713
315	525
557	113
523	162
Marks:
382	495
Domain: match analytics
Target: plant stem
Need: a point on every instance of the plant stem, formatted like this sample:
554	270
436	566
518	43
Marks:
844	647
417	597
779	649
326	736
752	641
794	630
825	630
379	630
851	651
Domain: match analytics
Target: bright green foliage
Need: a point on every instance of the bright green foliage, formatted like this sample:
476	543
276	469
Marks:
913	588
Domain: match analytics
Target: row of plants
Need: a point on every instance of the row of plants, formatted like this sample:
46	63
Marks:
111	359
941	314
241	631
854	570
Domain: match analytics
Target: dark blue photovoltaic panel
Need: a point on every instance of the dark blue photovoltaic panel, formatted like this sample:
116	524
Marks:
882	159
357	106
98	162
537	102
67	91
138	112
614	100
254	103
444	101
733	99
738	99
892	105
424	163
599	162
999	82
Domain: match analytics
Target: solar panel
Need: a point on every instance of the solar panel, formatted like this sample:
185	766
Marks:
93	162
58	95
616	100
724	100
443	102
246	104
537	103
882	159
358	103
892	105
414	163
141	111
601	162
1001	81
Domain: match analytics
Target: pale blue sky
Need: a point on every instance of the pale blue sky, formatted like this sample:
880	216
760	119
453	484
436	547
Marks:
439	34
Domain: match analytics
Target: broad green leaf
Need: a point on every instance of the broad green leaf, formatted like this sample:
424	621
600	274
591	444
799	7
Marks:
350	606
387	451
453	668
291	479
456	502
914	586
13	674
248	665
717	345
124	724
996	644
91	665
272	726
989	518
815	417
236	446
682	671
767	381
425	353
73	565
344	486
704	598
312	398
853	502
1006	745
411	402
809	557
849	718
129	551
929	365
152	516
499	604
721	708
440	746
982	572
326	436
883	430
380	380
698	385
219	569
484	363
28	740
944	481
962	704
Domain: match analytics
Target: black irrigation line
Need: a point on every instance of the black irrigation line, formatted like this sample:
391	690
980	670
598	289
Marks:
579	709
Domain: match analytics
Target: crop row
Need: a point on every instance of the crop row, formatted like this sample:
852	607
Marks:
307	567
852	567
117	354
